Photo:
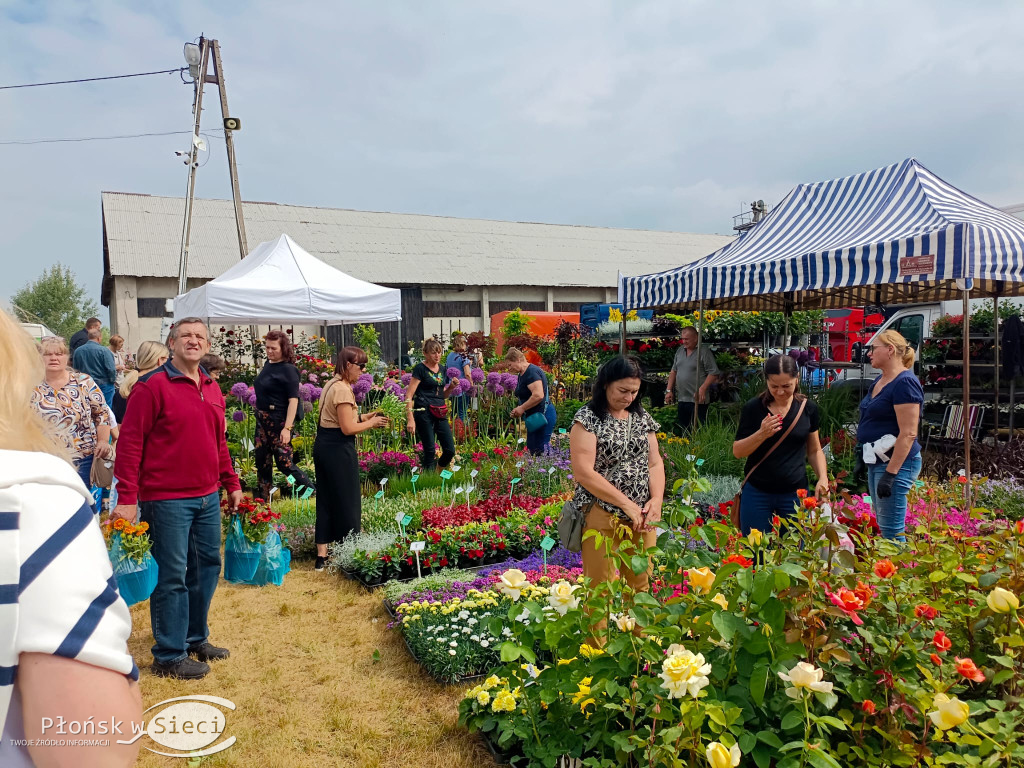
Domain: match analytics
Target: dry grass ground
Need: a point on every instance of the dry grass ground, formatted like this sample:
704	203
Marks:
308	689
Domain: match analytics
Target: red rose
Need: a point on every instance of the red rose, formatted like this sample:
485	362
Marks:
926	612
868	706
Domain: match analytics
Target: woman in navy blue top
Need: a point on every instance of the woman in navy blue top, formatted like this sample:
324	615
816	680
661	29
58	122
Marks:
892	407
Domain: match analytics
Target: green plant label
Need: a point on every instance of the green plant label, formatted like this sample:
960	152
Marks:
919	483
406	519
561	432
866	499
547	543
414	479
308	493
516	480
379	494
699	462
446	475
290	479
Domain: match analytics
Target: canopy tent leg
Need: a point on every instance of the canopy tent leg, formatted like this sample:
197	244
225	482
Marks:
700	343
967	398
995	331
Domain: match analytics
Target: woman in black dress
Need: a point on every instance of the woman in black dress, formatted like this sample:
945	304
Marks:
427	409
338	500
277	402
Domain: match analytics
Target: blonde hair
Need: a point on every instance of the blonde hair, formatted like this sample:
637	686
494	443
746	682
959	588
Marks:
22	428
459	342
894	339
116	342
147	358
432	345
53	344
514	355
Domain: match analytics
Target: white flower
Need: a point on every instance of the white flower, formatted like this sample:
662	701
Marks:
523	618
720	757
484	643
466	630
451	652
475	638
684	672
453	644
513	581
463	614
805	675
561	597
472	622
624	622
506	632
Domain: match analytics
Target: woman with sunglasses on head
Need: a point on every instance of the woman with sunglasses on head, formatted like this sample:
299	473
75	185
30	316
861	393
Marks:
891	411
338	499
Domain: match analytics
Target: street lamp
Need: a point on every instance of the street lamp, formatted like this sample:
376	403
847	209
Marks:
193	57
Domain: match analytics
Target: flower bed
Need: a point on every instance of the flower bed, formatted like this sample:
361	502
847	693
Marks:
483	512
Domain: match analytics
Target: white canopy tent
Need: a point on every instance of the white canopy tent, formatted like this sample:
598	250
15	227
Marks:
280	282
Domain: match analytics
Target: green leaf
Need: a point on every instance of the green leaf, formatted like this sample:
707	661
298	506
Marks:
965	577
792	720
782	580
639	563
988	579
509	651
769	738
1002	676
747	742
758	683
820	759
745	579
727	624
833	722
763	584
937	576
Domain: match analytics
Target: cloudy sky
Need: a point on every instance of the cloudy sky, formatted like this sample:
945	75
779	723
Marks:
657	115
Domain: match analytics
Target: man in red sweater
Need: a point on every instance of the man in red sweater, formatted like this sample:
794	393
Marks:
172	455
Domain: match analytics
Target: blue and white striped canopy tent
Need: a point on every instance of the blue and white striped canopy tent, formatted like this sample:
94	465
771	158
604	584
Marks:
894	235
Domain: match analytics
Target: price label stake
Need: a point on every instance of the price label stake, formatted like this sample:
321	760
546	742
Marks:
474	473
379	494
512	489
446	475
561	432
290	479
416	547
456	468
545	546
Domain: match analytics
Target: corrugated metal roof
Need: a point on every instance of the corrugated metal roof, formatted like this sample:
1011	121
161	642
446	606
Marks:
144	240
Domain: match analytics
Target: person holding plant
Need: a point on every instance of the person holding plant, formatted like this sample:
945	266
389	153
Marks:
620	477
338	499
778	436
887	432
535	407
277	402
426	409
151	355
458	360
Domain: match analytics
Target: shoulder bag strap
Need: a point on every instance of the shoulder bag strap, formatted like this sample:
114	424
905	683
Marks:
323	399
799	413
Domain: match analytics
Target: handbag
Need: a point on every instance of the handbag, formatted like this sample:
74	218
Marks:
101	474
537	420
570	525
734	508
439	411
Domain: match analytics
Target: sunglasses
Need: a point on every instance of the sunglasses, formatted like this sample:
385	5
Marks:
360	366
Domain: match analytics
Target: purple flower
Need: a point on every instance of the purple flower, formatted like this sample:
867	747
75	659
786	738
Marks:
315	392
251	398
305	392
240	389
406	378
238	416
393	387
509	381
313	379
465	385
477	375
493	381
499	390
453	373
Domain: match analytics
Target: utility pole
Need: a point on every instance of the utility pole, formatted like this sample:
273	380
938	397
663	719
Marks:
236	195
197	111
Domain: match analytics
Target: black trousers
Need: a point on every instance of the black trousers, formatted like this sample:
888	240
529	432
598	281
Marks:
339	510
269	449
684	415
429	427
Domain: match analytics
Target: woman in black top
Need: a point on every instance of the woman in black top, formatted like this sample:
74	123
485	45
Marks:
532	393
771	489
426	407
277	402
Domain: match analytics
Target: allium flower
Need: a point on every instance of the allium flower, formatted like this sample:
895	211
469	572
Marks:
949	712
513	581
406	378
238	416
805	676
720	757
251	398
560	597
453	373
304	392
1002	600
315	392
684	672
493	380
465	386
509	381
499	390
240	389
476	374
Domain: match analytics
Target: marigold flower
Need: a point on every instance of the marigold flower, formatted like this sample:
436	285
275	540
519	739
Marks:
926	612
884	569
949	712
720	757
868	706
969	670
1002	600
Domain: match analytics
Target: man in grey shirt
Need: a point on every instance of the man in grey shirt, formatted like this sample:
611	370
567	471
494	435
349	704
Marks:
689	379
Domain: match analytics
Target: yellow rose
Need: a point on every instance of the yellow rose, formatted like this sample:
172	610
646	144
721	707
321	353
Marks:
1002	600
504	702
513	581
720	600
561	597
491	682
624	622
754	537
701	578
684	672
720	757
805	676
949	713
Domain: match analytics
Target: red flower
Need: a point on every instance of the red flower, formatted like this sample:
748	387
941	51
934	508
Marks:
926	612
801	493
868	706
1020	526
884	569
864	592
941	642
810	502
848	602
776	521
961	479
936	660
744	562
969	670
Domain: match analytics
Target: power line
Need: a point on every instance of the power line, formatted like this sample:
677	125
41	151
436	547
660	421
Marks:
91	79
90	138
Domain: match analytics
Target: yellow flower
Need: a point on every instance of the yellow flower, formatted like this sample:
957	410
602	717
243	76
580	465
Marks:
1002	600
684	672
491	682
589	652
624	622
582	696
720	600
949	713
504	702
561	597
805	676
701	578
483	698
513	581
720	757
562	662
754	537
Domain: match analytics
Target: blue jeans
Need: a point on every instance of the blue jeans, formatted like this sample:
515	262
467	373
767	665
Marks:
891	513
108	392
460	404
186	547
84	469
538	441
757	507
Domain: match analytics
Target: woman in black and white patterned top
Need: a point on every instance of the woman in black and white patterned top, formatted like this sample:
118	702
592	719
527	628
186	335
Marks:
620	478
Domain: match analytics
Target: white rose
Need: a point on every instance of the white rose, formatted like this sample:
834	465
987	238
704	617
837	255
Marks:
806	676
561	597
513	582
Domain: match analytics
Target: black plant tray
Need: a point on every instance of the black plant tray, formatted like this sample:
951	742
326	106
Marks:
457	681
501	758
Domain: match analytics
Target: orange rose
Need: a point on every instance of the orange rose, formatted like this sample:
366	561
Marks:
810	502
801	493
968	669
926	612
936	660
868	707
884	569
941	642
864	592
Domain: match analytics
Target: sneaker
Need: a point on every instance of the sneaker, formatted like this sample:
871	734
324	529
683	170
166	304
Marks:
321	563
186	669
207	652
